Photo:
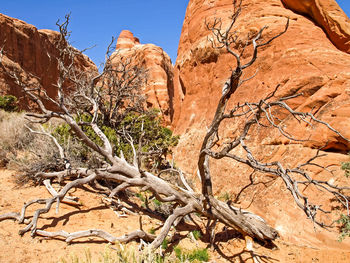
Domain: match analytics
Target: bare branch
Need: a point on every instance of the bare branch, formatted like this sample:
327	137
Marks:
67	199
178	212
69	237
43	132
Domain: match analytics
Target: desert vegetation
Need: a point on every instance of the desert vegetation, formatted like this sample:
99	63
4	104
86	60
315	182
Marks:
8	103
129	255
103	137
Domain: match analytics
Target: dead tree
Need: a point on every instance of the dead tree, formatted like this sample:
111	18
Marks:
89	94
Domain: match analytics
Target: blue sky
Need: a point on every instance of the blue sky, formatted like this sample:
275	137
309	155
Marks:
95	22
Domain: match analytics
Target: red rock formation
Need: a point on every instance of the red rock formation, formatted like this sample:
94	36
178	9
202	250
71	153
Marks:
27	50
302	60
158	65
126	39
328	15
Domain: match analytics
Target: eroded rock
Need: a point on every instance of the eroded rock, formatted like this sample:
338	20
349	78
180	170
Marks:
159	70
303	60
328	15
28	52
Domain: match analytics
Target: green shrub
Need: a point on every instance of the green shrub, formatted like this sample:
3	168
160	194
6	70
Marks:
8	103
226	196
77	152
145	127
199	255
32	153
346	168
165	243
344	220
152	231
196	255
178	252
196	234
155	138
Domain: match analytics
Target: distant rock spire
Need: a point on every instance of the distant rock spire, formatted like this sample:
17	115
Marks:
157	63
126	39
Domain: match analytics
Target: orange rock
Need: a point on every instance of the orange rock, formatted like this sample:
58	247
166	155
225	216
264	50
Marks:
302	60
328	15
159	70
30	51
126	39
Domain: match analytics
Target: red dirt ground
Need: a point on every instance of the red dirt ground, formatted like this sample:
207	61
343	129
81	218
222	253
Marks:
93	213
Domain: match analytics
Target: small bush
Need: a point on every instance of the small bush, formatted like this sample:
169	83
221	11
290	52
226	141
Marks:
8	103
344	220
76	152
196	234
165	243
226	196
346	168
152	231
199	255
196	255
26	152
154	138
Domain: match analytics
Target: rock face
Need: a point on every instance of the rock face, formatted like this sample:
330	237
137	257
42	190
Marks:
127	40
27	51
303	60
159	70
328	15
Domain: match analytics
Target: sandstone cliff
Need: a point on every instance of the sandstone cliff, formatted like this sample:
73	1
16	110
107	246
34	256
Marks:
302	60
158	66
29	51
328	15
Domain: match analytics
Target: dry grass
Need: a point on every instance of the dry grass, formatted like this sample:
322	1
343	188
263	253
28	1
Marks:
127	254
30	153
25	151
14	136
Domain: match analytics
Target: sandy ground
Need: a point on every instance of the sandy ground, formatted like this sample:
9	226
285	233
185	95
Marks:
93	213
